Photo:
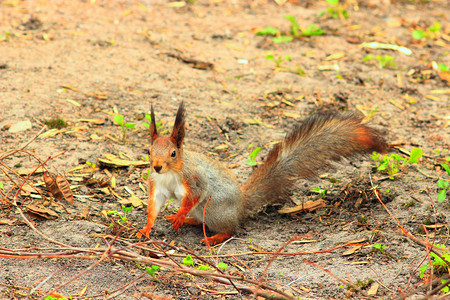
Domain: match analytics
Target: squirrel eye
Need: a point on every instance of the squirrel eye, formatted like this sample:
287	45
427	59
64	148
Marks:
173	154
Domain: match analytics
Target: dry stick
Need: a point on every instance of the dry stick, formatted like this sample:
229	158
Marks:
326	271
124	288
10	152
421	288
130	256
442	285
46	279
276	254
104	256
429	247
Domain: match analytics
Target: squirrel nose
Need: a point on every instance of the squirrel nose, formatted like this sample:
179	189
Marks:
157	168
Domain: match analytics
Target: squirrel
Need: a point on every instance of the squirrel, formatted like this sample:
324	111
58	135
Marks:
198	180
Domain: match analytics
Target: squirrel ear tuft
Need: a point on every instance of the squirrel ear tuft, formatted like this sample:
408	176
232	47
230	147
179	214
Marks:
153	131
178	131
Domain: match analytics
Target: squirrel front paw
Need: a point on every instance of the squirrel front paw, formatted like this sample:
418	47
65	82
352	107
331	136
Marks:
177	220
144	231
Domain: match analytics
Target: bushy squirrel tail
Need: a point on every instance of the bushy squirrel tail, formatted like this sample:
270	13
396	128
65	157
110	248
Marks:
308	149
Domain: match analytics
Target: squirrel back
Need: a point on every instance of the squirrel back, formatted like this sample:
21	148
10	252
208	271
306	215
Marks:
209	193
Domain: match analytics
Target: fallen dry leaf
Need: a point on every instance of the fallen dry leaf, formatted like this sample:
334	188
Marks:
112	160
352	250
41	211
308	206
59	187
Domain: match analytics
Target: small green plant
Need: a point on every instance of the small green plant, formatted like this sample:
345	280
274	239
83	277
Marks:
146	174
439	265
392	163
122	215
203	267
91	165
321	192
1	186
251	160
385	61
152	270
278	60
432	32
223	266
5	36
443	68
443	184
56	123
313	30
295	31
278	64
368	57
120	120
149	119
188	261
379	247
336	9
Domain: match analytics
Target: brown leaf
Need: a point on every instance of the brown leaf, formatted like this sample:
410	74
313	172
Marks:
59	187
352	250
41	211
308	206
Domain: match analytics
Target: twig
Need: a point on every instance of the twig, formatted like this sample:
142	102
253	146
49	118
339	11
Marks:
12	151
124	288
46	279
326	271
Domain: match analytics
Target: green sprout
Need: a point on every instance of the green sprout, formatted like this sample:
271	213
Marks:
336	9
149	119
278	60
392	163
443	68
122	215
90	165
251	160
278	64
188	261
321	192
443	184
379	247
223	266
295	31
432	32
203	267
438	264
120	120
385	61
152	270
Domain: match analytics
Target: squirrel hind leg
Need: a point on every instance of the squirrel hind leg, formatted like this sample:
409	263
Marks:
216	239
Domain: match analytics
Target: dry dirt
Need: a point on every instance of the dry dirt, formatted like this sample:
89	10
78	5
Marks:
84	61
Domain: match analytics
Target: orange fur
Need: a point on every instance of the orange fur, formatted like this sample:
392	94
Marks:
152	214
186	205
216	239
